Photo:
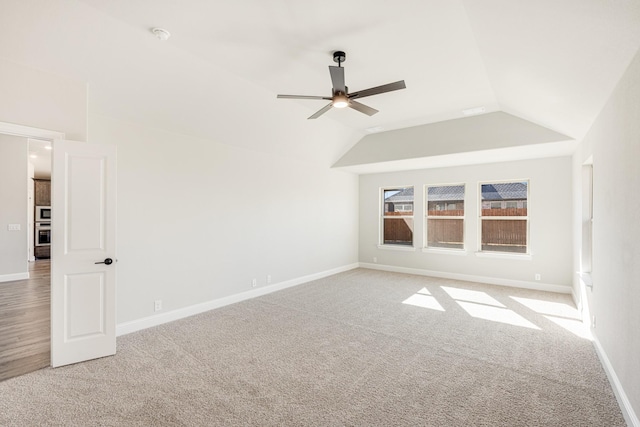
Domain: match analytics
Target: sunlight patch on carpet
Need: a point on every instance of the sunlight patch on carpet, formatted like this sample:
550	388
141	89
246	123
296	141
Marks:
478	297
576	327
562	314
424	299
550	308
496	314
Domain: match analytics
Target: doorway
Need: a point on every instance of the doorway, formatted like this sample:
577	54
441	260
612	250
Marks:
83	271
25	317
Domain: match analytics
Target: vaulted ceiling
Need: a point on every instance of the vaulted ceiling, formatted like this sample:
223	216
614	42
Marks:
552	63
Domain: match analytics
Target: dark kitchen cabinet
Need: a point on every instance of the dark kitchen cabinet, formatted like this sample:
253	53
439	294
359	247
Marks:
42	252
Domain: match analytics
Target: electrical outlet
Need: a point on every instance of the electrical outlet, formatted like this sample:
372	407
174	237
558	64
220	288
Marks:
538	277
268	278
254	283
157	305
375	260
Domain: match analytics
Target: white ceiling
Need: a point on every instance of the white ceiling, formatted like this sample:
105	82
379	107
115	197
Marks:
552	63
40	158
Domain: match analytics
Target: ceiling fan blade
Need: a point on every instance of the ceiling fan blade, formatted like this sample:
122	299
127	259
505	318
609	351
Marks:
321	111
337	79
378	90
303	97
362	108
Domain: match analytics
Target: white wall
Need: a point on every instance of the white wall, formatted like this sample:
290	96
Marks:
550	223
614	144
469	134
13	207
39	99
36	98
198	220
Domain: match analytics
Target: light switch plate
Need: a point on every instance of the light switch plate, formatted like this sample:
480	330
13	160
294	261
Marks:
13	227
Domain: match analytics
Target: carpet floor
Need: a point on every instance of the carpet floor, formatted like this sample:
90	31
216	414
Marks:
360	348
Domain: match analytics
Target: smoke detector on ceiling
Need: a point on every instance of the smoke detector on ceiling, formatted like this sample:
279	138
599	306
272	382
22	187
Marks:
161	33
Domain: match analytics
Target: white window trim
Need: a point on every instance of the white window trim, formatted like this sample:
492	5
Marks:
392	247
504	255
426	217
498	254
586	253
381	217
445	251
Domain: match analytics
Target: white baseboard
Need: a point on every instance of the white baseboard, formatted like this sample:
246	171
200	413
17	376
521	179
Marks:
627	410
471	278
14	276
576	300
159	319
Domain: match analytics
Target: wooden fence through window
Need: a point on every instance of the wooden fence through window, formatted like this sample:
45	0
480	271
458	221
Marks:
398	231
508	235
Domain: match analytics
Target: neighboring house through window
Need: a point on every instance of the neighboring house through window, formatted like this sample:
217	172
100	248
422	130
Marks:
397	216
504	219
445	216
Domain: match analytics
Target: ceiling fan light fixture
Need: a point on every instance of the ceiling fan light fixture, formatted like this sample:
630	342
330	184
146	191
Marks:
340	100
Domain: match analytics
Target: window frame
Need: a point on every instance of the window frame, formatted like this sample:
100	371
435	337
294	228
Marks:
382	217
426	218
586	253
481	218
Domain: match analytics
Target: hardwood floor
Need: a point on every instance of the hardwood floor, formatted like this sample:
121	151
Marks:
25	322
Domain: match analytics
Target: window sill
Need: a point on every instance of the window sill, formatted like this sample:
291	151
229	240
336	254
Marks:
397	248
445	251
586	279
499	255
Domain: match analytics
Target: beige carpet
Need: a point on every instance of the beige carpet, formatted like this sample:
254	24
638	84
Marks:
360	348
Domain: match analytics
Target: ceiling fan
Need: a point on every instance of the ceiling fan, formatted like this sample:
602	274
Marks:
341	97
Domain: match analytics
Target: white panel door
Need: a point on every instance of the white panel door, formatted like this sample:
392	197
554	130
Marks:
83	245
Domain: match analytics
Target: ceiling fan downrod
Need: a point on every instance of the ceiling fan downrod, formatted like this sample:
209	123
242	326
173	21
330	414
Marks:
339	57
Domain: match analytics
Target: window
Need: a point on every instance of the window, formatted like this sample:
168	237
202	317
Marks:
504	221
445	216
587	219
397	216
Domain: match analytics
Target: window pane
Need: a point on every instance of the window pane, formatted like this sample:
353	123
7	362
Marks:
445	200
504	199
445	233
398	201
504	235
398	231
397	221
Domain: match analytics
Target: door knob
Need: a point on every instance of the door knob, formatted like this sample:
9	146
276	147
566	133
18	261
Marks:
107	261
